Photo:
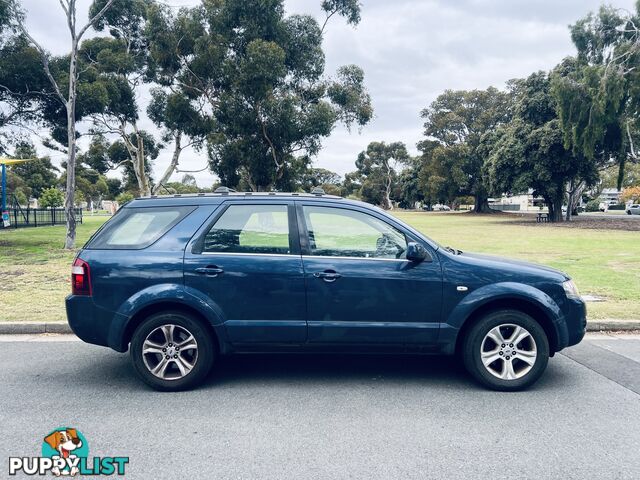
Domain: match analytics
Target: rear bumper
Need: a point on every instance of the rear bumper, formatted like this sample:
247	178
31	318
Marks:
91	323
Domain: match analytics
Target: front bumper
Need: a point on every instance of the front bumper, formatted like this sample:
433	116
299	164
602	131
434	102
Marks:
575	317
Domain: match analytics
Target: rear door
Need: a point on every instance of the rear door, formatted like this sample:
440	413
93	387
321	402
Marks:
247	260
360	287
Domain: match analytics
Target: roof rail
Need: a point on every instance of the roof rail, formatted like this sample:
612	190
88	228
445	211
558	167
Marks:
317	191
224	190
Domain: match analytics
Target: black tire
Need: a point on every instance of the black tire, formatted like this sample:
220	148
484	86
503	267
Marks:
473	344
204	359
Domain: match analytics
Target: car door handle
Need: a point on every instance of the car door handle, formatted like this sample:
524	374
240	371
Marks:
327	276
211	271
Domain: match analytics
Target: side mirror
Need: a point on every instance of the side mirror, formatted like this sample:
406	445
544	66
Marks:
416	252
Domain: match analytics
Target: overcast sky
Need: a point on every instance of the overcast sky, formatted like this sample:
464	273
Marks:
410	50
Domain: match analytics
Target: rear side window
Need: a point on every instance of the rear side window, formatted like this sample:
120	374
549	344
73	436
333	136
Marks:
262	229
136	228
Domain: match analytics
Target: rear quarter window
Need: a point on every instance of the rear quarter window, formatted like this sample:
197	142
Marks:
136	228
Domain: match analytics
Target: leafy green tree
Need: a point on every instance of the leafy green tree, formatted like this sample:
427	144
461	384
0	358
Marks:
529	152
457	120
37	175
440	175
21	101
114	186
378	165
597	94
121	59
319	177
261	76
51	198
124	197
408	191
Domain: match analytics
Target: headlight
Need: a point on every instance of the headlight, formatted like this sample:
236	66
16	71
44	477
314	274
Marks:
570	289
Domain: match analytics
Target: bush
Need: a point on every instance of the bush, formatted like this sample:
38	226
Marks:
593	206
124	198
51	197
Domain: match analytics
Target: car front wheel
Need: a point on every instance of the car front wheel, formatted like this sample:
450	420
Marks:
172	351
506	350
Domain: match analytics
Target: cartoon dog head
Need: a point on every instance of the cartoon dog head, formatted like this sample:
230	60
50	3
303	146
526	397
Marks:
64	441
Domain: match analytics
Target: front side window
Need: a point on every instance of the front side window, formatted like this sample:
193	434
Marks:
137	228
262	229
337	232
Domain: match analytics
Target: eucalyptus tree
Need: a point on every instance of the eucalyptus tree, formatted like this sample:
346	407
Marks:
178	109
121	59
457	120
379	165
261	76
23	84
65	89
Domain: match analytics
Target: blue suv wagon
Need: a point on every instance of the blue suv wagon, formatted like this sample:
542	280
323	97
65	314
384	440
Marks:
180	280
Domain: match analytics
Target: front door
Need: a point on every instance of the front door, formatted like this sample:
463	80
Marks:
360	287
248	263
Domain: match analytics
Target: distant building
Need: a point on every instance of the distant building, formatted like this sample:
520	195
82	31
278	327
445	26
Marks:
610	196
522	202
110	206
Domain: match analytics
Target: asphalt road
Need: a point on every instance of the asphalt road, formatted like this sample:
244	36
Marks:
331	417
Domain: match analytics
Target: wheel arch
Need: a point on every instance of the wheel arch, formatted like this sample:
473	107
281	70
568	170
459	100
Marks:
168	305
530	308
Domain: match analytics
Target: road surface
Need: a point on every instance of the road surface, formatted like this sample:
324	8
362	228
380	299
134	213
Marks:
331	417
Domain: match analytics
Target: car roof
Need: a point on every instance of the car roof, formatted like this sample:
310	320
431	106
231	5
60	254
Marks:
215	198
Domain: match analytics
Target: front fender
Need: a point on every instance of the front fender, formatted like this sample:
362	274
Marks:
501	291
165	292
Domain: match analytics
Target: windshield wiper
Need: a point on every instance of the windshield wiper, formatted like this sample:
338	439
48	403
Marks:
453	250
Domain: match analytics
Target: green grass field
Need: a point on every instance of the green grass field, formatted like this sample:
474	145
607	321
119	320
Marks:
35	270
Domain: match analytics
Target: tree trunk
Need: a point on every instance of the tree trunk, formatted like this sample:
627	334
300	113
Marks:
574	193
481	203
69	197
172	166
139	167
387	190
555	209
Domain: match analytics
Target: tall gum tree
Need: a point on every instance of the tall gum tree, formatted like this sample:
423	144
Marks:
66	98
261	75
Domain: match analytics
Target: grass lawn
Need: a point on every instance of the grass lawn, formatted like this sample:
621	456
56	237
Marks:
35	270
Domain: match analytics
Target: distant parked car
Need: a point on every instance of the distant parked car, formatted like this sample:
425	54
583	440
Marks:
633	209
441	208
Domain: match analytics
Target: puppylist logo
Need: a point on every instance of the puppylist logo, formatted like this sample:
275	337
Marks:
65	452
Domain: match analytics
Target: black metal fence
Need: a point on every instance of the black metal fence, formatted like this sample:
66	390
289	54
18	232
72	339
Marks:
38	217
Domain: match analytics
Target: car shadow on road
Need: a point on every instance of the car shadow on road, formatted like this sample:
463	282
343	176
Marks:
250	370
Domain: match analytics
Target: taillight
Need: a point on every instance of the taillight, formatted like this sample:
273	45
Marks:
80	278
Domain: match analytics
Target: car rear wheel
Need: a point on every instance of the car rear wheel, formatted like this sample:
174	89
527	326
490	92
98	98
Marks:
506	350
172	351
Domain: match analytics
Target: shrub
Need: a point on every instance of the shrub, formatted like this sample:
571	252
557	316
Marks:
51	197
124	198
593	206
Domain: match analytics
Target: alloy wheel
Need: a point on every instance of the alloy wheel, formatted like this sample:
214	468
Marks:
508	351
170	352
